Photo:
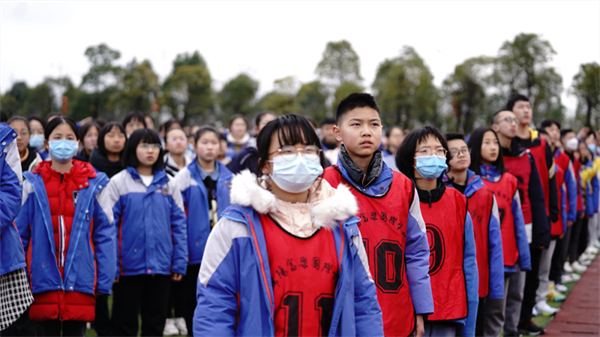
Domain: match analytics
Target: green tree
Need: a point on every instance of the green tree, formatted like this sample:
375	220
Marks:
522	66
237	95
135	83
466	88
40	101
311	100
98	84
282	99
340	63
15	98
343	91
189	91
405	91
586	87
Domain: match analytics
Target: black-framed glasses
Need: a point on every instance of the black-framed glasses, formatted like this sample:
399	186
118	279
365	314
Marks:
290	152
510	120
458	152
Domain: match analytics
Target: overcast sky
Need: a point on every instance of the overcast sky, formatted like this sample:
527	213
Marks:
271	40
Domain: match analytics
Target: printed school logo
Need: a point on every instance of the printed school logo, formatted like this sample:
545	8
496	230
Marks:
437	249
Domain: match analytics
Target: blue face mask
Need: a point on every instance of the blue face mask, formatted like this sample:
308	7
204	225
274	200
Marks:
63	150
297	175
592	148
431	167
191	147
36	141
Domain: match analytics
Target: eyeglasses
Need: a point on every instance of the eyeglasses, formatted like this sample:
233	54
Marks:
146	146
457	152
290	152
510	120
179	140
441	152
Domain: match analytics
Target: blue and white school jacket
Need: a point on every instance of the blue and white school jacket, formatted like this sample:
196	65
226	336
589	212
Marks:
194	195
11	249
151	232
235	291
83	267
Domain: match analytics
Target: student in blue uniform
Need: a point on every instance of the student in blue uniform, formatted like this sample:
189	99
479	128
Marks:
151	236
424	157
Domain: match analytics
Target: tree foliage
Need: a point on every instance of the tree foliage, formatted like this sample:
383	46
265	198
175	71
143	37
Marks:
522	66
135	83
405	91
311	100
586	87
339	64
343	91
237	95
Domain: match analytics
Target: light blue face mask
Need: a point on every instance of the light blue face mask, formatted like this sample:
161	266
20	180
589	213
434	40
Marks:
190	147
63	150
297	175
431	167
36	141
592	148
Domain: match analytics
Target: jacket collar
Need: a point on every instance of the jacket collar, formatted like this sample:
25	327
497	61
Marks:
474	183
7	135
327	207
359	177
515	150
159	176
432	196
490	173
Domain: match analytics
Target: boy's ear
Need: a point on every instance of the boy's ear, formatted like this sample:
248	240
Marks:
495	127
337	133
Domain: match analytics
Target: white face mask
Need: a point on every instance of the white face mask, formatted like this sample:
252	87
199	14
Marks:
572	144
297	175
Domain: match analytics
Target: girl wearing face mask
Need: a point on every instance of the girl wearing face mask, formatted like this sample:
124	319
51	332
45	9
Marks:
29	156
37	125
70	261
177	157
424	157
204	185
88	140
286	258
487	161
151	234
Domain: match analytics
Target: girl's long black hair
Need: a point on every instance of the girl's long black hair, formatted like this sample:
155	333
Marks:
475	143
405	158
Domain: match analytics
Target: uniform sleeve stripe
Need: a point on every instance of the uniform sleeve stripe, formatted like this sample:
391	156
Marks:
13	160
357	241
218	245
415	211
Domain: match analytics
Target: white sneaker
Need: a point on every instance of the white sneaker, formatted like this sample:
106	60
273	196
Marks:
180	325
591	250
567	267
170	329
578	267
586	257
534	312
561	288
575	277
597	243
544	309
566	278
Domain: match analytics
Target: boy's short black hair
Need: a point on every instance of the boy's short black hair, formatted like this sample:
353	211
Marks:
142	136
353	101
514	99
548	123
495	115
454	136
136	114
327	121
565	131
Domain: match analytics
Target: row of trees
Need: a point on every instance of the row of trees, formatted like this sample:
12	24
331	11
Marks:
403	87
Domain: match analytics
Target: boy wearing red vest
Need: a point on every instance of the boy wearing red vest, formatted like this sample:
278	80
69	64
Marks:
486	224
391	224
520	162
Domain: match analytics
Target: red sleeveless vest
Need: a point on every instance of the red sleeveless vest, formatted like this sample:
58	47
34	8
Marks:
445	222
520	167
480	206
557	227
539	156
383	229
504	191
304	274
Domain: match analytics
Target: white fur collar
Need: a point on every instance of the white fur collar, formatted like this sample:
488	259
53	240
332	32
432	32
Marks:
327	207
